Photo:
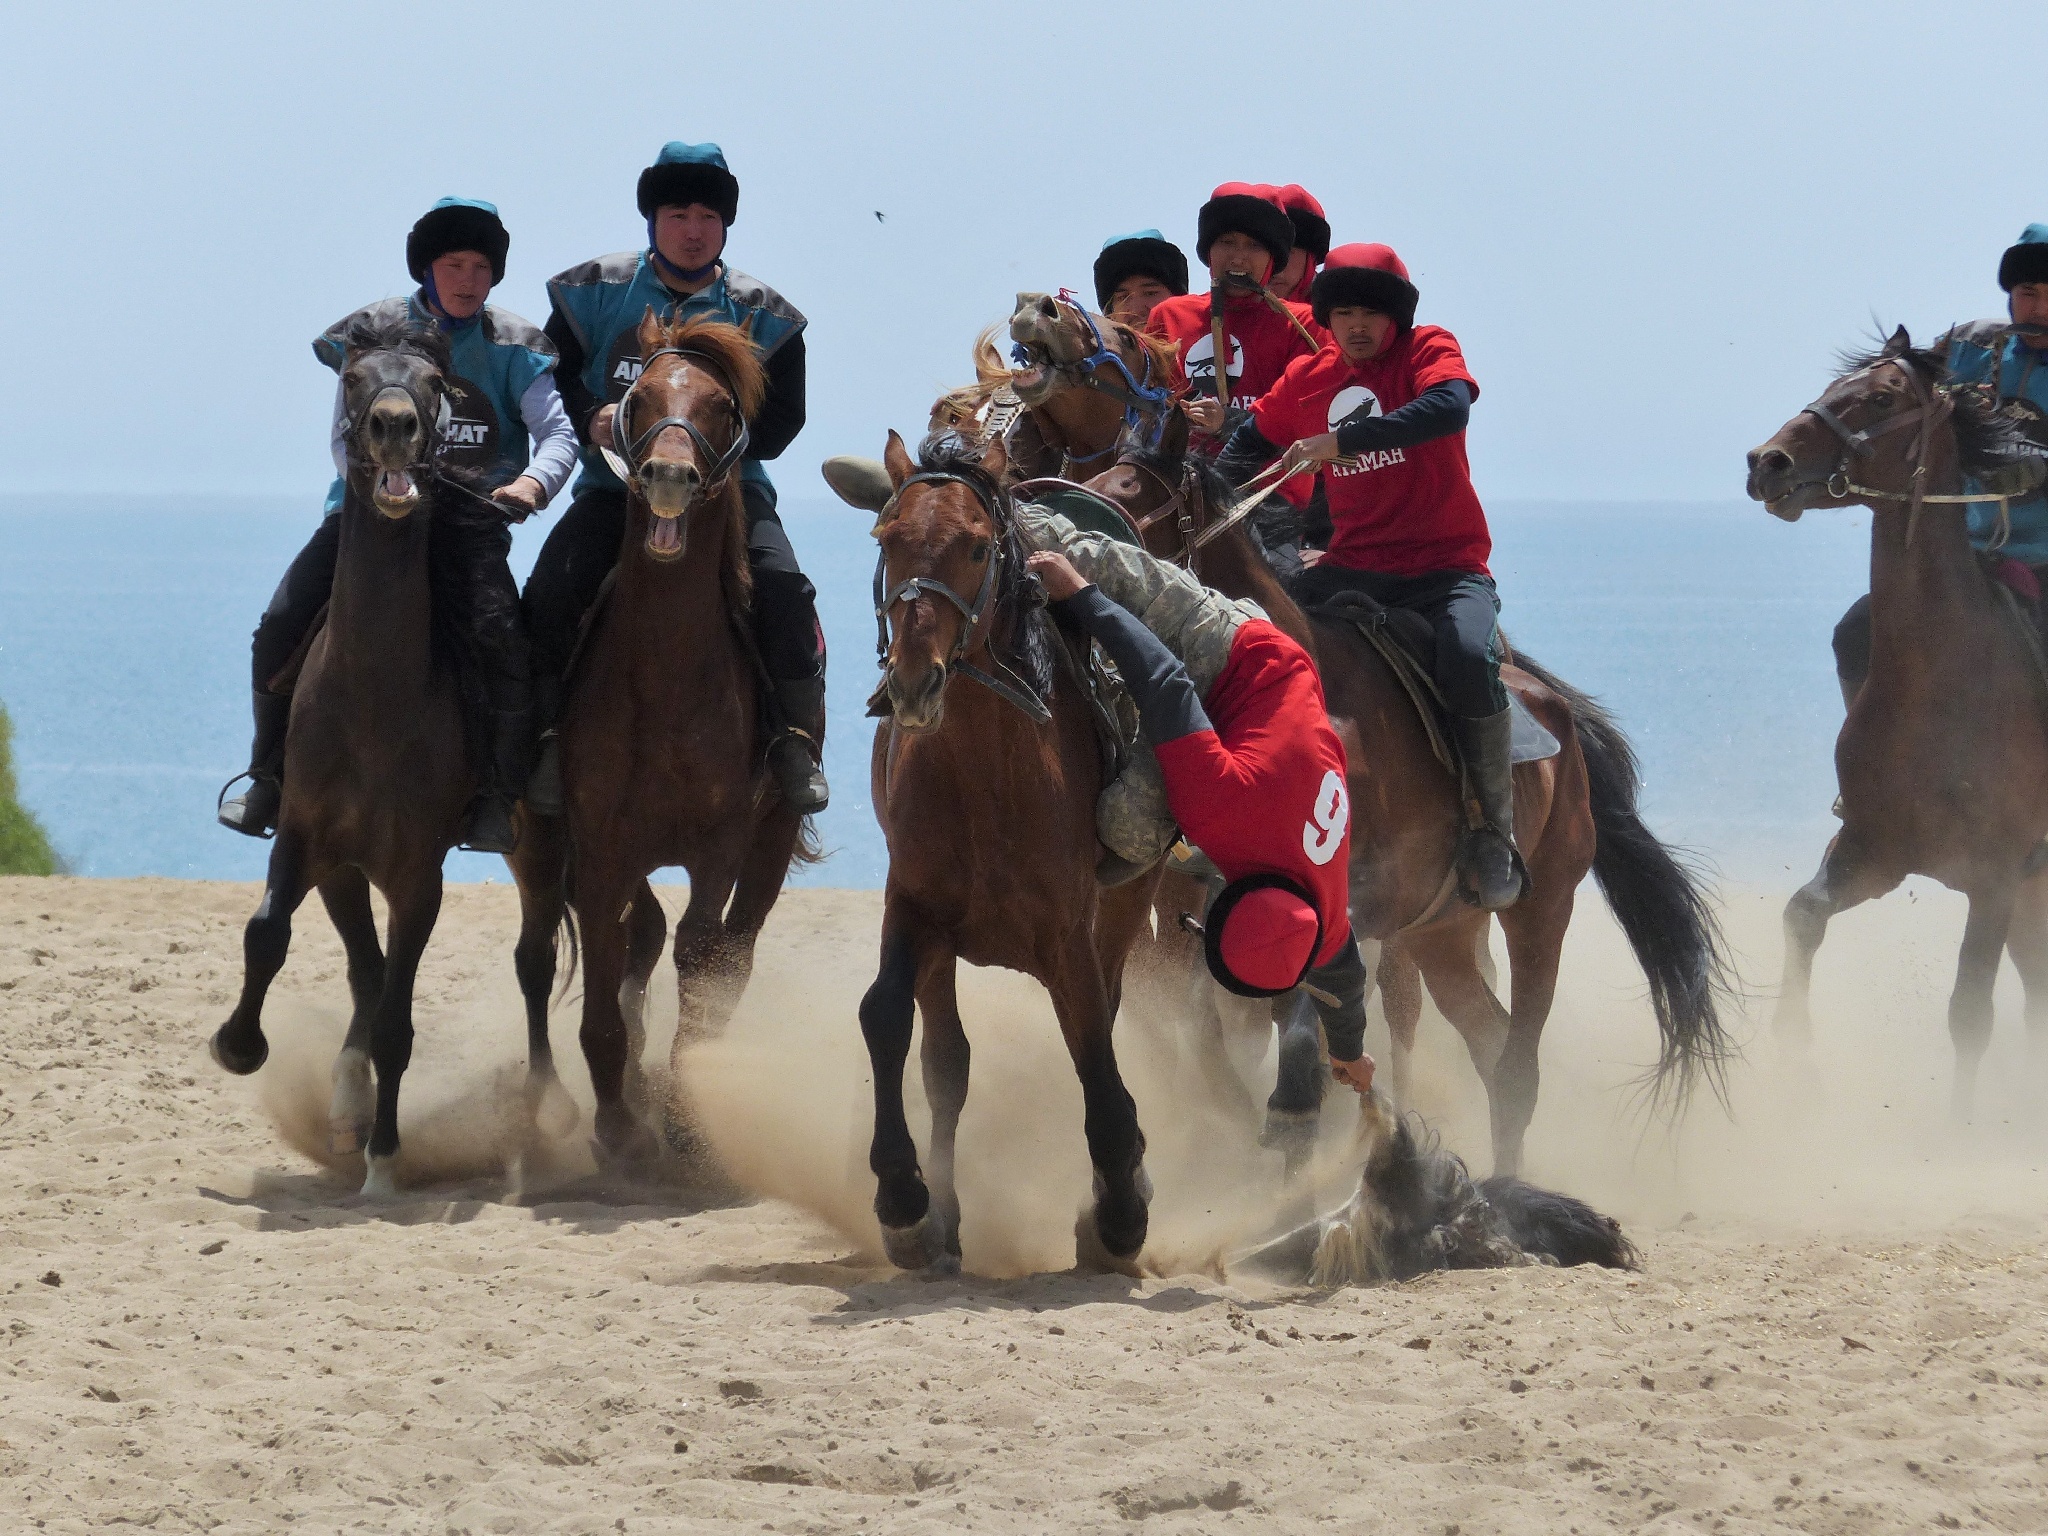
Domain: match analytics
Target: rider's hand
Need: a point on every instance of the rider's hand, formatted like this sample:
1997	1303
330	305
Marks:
1311	450
1204	413
1311	558
1056	573
521	498
1355	1075
601	426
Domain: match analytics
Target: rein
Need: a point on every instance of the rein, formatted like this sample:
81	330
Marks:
1008	687
1189	506
719	465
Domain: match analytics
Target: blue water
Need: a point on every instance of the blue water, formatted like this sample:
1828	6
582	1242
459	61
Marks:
124	629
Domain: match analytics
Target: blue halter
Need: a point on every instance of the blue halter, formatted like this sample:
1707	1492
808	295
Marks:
1139	397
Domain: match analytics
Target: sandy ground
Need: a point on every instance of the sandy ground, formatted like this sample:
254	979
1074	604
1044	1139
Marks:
1839	1326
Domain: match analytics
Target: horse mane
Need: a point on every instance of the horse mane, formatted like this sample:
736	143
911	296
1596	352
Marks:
730	349
1984	438
370	332
1022	637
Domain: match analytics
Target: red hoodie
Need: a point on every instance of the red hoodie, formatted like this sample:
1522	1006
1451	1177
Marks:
1262	343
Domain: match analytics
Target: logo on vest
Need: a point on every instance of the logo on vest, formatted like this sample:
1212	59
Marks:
1200	363
622	366
1351	403
469	431
1323	833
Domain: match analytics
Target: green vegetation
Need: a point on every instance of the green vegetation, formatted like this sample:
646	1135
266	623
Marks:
24	846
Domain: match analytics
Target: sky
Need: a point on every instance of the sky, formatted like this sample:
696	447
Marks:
1650	226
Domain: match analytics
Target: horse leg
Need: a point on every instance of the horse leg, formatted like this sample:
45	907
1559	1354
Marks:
646	936
415	906
902	1202
238	1045
1969	1006
1844	880
946	1054
706	992
602	902
537	868
2027	942
1116	1145
1296	1103
346	895
1535	931
1450	967
1401	995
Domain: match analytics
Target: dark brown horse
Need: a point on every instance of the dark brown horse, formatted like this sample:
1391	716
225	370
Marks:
986	774
1943	759
1574	811
376	778
662	745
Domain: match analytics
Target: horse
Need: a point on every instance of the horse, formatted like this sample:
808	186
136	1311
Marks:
1574	812
376	777
1942	760
986	768
1080	379
663	751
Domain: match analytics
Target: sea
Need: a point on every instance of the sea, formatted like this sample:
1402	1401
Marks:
124	662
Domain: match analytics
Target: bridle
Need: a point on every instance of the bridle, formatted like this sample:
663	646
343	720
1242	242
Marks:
1188	505
1933	408
1139	397
431	438
976	613
717	466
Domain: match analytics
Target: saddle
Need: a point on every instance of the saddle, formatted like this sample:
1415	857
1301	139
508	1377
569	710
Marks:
1406	642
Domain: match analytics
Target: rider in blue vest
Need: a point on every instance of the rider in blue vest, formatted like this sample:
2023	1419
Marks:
689	199
502	393
2006	360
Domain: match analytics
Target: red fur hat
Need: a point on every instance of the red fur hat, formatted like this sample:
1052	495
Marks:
1261	936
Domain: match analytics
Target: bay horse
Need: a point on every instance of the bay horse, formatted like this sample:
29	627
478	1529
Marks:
986	769
663	752
376	778
1943	758
1574	812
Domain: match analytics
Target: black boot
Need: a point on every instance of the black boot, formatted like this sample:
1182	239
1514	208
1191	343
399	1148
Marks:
544	783
1490	872
491	828
254	811
796	747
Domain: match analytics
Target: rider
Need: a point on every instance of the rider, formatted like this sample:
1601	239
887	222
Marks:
689	199
2008	360
1254	774
1311	242
1384	406
502	394
1134	273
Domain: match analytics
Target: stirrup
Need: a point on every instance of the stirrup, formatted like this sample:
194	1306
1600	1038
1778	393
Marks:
1466	891
220	805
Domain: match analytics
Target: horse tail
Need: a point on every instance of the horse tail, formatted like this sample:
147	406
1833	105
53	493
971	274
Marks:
1658	896
568	944
810	847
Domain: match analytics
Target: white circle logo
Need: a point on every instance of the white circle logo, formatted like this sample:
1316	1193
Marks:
1200	363
1352	400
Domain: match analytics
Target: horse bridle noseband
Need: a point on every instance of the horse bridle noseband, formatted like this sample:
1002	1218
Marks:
716	465
976	613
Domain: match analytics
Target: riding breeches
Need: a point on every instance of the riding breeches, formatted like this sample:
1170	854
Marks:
1461	606
585	545
478	590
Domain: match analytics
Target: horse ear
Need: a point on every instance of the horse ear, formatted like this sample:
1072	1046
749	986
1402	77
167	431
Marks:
747	325
650	331
1173	436
995	457
1899	345
896	459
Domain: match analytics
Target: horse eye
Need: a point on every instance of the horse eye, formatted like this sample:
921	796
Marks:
979	552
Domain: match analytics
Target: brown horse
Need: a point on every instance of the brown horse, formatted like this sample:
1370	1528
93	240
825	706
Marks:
985	777
662	746
376	778
1080	377
1943	759
1574	811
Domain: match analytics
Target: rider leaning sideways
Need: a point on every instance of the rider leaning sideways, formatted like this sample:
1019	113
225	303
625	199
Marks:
1384	407
689	199
501	395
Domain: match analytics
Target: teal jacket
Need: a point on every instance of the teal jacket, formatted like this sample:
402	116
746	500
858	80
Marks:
1988	353
595	326
498	358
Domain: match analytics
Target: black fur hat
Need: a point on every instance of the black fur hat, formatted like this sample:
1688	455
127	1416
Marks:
1371	275
457	224
690	173
1146	252
1249	210
2027	260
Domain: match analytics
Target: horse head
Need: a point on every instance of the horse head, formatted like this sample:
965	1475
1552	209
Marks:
1087	373
394	395
943	563
1874	424
680	432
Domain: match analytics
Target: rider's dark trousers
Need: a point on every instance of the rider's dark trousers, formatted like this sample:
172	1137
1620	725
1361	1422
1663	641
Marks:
585	545
481	597
1461	606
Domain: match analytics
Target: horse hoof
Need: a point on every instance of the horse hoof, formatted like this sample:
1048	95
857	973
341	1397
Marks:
554	1112
1092	1251
1291	1132
910	1247
240	1063
378	1182
625	1147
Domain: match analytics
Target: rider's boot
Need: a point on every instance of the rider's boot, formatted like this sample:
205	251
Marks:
506	773
254	811
796	713
1491	874
544	783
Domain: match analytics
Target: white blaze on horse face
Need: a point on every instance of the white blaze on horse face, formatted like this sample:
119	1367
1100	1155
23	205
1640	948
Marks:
1323	832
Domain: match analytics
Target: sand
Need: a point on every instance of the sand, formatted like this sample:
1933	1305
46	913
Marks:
1839	1326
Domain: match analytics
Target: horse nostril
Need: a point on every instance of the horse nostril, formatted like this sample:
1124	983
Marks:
1772	460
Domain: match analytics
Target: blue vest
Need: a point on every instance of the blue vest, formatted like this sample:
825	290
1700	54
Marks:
497	356
1988	354
604	301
